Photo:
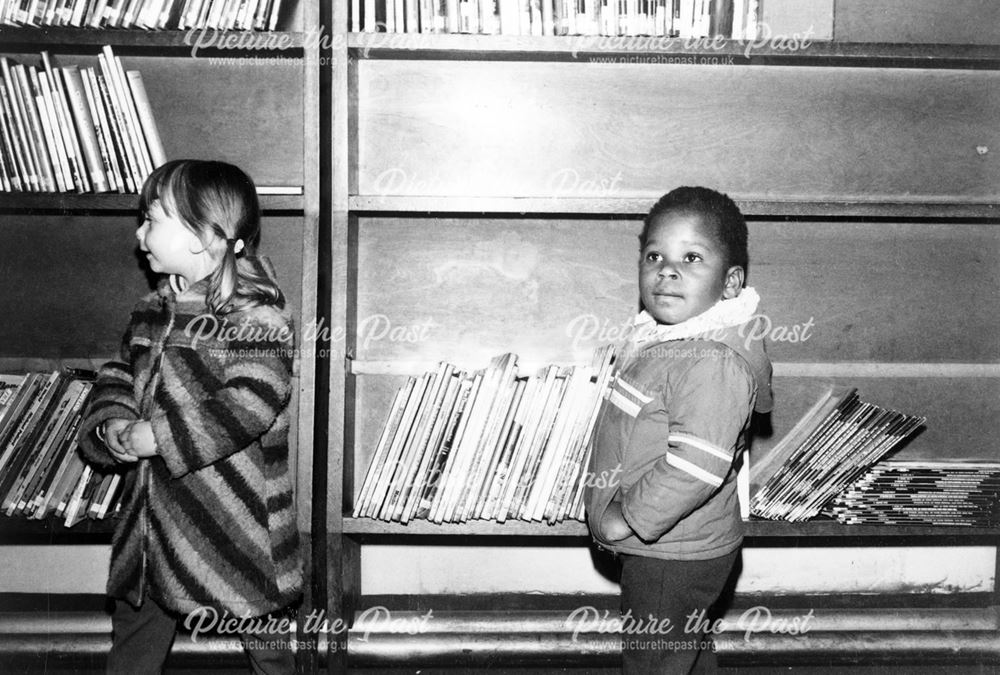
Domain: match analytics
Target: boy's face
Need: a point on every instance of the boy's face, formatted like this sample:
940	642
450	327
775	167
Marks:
682	270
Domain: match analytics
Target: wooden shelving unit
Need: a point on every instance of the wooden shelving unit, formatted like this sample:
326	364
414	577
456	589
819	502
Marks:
67	38
71	202
848	157
67	258
582	48
754	529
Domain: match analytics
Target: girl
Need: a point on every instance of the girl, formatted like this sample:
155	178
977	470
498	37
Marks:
198	412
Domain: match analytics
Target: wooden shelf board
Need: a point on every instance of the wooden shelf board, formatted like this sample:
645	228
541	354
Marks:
474	528
582	48
72	202
52	530
234	43
783	369
764	529
639	206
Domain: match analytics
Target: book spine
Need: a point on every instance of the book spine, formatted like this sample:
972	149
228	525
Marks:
59	148
35	131
124	95
48	123
145	115
71	140
105	142
19	169
35	177
86	129
122	150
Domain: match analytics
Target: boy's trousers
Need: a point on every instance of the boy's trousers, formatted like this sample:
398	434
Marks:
141	640
658	597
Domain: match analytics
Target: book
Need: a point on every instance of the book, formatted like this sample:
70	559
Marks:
385	439
837	440
62	130
395	449
439	460
86	129
490	444
954	493
416	442
496	413
659	18
442	417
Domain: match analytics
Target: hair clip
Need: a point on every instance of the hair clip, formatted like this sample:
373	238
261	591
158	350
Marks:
237	245
177	283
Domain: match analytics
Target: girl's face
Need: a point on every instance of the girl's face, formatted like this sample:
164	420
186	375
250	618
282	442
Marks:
171	247
682	271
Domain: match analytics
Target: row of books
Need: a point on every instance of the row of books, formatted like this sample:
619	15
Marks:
72	129
146	14
486	445
41	471
833	444
922	493
737	19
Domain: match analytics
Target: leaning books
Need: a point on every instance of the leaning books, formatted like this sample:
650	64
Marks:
41	471
833	444
73	129
490	444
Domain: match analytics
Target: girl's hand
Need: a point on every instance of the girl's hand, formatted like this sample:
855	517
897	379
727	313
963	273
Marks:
112	431
613	524
138	439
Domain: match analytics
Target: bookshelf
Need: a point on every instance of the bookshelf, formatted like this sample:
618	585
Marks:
865	165
68	259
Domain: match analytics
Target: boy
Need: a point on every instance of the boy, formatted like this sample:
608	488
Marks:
675	421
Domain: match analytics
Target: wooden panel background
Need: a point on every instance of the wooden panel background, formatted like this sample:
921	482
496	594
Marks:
919	21
245	112
70	281
524	129
552	290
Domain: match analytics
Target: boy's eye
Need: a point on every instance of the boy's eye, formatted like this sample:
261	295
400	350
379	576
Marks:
692	257
653	257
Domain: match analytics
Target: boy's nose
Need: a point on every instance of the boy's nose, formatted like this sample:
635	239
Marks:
668	271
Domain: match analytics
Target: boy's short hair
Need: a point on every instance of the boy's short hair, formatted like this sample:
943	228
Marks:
715	208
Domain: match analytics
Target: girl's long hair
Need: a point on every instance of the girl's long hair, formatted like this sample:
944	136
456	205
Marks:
216	200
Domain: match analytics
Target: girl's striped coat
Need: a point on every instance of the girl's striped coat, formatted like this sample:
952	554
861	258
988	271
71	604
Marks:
211	521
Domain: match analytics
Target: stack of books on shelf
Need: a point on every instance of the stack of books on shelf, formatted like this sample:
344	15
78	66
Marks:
737	19
922	493
487	445
41	471
71	129
145	14
834	443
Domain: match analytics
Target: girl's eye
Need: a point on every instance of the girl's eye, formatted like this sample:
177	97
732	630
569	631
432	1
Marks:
692	257
653	257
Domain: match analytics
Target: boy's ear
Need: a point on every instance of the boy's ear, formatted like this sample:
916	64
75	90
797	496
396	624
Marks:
734	283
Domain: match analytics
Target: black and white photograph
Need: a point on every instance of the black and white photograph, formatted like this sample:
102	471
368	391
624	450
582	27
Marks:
458	337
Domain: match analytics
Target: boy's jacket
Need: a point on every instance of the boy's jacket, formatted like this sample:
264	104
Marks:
211	519
667	440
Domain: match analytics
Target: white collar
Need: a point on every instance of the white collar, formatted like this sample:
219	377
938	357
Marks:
723	314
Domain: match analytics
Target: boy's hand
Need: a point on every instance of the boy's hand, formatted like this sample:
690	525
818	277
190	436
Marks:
112	431
138	439
613	524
